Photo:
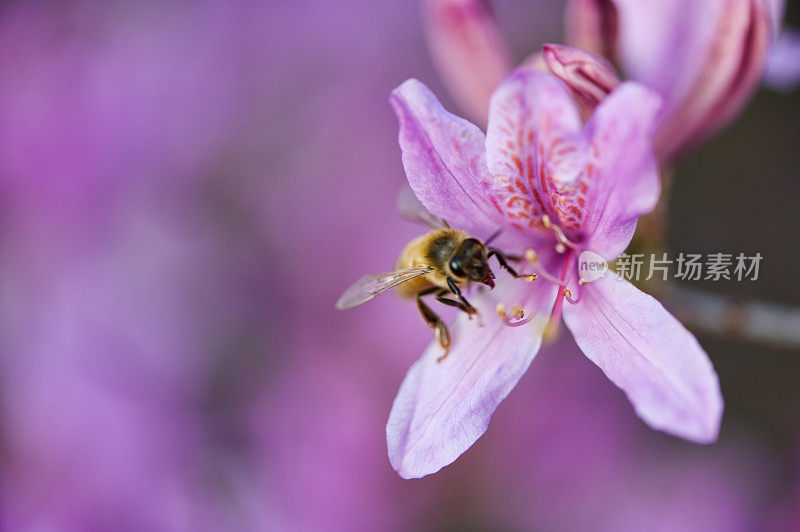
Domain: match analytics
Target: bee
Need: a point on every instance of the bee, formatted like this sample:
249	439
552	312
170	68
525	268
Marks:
439	263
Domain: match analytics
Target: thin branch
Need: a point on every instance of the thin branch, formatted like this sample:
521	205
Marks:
753	321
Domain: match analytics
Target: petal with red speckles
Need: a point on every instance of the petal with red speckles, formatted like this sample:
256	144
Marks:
535	149
592	181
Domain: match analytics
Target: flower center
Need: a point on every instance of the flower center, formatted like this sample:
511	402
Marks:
562	241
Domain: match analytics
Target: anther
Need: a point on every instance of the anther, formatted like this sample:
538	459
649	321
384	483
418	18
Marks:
568	296
516	318
531	278
530	256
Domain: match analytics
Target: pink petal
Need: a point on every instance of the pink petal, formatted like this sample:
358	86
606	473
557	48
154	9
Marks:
468	48
445	160
533	138
443	408
645	351
621	167
590	77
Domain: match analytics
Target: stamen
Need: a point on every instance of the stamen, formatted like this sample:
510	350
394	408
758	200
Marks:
516	318
563	241
533	258
551	331
568	296
546	276
518	323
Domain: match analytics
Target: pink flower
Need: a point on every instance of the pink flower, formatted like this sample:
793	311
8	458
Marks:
560	187
705	58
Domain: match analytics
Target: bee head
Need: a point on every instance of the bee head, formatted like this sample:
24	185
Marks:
470	262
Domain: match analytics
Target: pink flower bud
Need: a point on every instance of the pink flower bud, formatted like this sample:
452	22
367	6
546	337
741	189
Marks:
733	65
705	58
469	51
592	25
590	77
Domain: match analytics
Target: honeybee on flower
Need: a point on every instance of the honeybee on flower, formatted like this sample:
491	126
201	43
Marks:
556	187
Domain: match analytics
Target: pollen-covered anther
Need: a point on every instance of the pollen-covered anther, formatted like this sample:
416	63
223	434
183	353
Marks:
561	248
530	256
515	318
501	310
568	296
531	278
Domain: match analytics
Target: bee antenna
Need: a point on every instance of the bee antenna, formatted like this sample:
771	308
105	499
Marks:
494	235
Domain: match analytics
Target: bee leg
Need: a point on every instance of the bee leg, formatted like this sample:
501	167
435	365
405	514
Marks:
462	303
434	322
443	337
512	258
441	297
502	260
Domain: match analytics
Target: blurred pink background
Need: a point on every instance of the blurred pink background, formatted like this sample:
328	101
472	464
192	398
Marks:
185	190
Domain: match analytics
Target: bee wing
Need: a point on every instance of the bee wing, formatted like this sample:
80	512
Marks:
409	206
370	286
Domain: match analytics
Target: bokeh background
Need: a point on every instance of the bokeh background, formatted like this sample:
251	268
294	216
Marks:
185	190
